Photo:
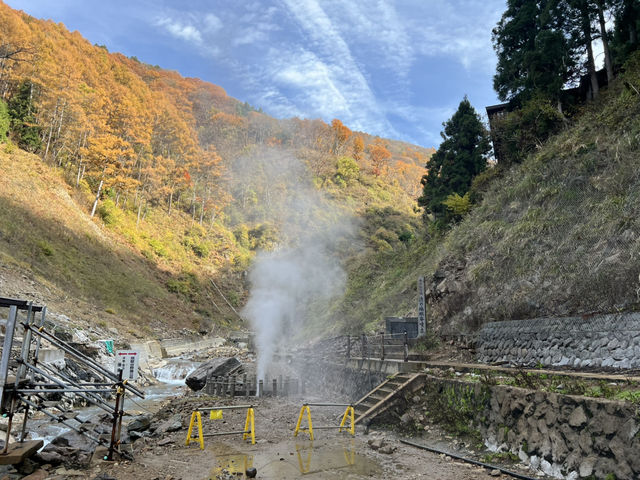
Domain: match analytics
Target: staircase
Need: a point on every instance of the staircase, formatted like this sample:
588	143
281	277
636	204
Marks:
381	398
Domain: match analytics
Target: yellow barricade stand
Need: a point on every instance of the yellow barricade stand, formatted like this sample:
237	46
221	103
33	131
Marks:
348	414
249	431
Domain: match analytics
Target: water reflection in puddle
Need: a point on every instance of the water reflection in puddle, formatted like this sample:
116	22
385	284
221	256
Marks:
338	460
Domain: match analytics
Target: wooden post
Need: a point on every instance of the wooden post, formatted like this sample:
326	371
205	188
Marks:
275	387
246	385
260	388
382	344
232	389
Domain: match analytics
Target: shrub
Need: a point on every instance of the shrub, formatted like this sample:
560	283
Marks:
520	132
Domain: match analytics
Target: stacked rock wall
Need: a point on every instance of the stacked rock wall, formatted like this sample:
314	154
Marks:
598	341
564	436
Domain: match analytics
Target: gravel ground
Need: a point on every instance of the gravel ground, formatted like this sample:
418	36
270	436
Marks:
277	454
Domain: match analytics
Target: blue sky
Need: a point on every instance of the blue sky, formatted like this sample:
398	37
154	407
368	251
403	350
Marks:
392	68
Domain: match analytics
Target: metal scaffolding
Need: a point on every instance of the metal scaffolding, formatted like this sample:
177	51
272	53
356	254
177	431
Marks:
24	384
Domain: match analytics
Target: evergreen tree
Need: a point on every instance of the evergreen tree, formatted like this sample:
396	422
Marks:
22	111
461	156
627	24
5	121
535	57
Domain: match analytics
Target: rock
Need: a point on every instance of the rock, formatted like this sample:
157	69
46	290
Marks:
376	443
134	435
54	458
215	367
139	424
165	441
387	449
577	417
495	472
405	418
37	475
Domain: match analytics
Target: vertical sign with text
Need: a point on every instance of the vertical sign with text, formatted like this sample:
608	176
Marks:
127	361
422	312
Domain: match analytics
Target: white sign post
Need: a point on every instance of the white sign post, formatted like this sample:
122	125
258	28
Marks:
422	310
127	361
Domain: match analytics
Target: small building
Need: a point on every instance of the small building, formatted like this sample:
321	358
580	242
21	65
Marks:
399	325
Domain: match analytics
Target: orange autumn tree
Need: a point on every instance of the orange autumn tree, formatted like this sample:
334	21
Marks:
379	156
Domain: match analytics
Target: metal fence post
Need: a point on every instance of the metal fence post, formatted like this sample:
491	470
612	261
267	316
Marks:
382	343
406	347
364	346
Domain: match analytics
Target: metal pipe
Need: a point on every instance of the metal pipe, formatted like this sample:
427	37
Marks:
61	420
55	380
26	391
114	426
226	433
43	314
83	358
6	351
468	460
223	407
260	388
328	405
98	400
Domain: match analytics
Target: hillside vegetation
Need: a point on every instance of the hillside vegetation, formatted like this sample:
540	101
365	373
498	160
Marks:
142	187
558	234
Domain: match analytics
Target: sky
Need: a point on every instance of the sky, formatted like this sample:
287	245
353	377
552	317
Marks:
397	69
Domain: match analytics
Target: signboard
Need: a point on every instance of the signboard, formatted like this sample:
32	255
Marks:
127	361
422	312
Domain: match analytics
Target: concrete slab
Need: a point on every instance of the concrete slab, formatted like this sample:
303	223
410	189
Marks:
17	452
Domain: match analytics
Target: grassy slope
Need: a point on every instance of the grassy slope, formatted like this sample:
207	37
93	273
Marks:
557	235
45	231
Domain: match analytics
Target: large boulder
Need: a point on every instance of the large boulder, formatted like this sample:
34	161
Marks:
217	367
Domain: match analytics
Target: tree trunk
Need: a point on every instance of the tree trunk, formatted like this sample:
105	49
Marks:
139	211
95	203
64	103
608	63
53	118
170	202
591	65
202	211
78	176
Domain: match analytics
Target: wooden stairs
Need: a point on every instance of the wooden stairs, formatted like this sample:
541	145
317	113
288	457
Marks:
382	397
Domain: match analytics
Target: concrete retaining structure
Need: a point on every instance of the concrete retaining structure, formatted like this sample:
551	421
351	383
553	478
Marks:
564	436
599	341
175	347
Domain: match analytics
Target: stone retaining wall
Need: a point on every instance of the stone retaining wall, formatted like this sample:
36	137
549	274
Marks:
563	436
598	341
328	378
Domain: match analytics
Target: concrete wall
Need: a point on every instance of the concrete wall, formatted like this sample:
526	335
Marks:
564	436
328	378
173	348
50	355
598	341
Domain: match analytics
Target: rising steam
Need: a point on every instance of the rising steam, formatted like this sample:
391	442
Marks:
305	269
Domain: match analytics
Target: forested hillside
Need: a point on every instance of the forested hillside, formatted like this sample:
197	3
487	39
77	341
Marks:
556	233
186	180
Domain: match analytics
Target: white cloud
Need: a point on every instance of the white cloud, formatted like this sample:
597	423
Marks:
211	23
180	30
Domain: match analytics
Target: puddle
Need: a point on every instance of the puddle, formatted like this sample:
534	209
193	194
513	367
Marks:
338	460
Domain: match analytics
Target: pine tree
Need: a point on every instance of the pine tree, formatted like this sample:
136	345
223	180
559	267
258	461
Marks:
461	156
535	57
22	111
